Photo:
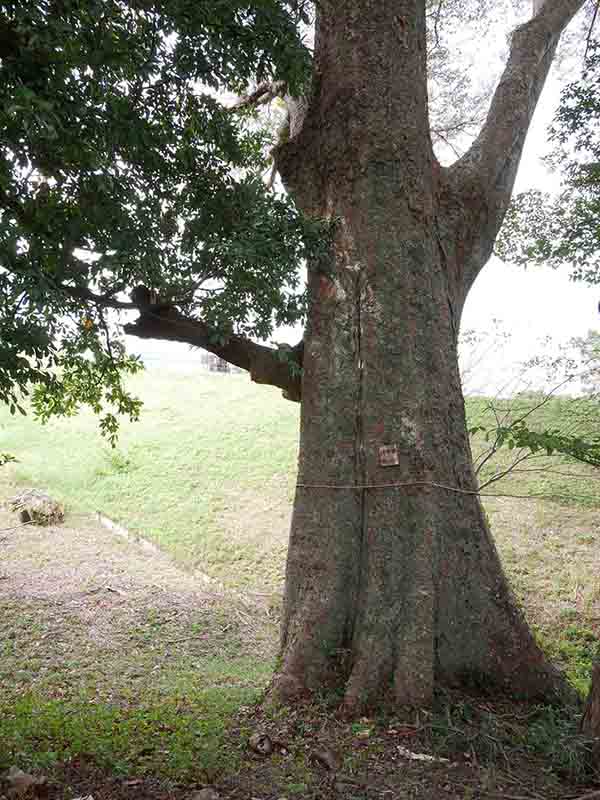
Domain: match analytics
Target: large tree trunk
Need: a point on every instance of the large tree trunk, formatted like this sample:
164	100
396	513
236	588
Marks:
393	582
393	589
390	589
590	721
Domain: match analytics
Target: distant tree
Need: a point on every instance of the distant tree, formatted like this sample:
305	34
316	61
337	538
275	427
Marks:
564	230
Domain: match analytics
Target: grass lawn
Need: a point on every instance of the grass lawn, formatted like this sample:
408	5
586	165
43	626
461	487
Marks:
208	475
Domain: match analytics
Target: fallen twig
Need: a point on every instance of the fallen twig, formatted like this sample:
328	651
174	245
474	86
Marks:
107	588
14	527
514	796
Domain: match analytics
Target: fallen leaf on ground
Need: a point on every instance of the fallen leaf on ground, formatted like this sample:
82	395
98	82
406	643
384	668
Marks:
420	756
261	743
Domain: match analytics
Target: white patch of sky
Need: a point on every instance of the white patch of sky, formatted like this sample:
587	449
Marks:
538	302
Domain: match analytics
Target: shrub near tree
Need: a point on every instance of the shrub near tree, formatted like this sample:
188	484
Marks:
121	172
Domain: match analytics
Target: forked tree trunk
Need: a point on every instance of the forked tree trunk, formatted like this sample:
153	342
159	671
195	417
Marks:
393	582
392	590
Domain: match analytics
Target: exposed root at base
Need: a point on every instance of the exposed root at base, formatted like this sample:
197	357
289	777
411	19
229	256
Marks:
289	690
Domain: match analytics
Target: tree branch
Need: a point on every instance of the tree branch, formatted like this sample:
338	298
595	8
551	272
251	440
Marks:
104	301
266	365
497	150
264	93
485	175
277	367
296	108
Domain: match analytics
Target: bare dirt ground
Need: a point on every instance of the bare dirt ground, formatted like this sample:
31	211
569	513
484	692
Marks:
72	564
88	608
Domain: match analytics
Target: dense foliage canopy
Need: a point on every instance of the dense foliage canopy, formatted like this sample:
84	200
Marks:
119	167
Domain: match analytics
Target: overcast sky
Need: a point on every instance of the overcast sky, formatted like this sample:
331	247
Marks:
536	302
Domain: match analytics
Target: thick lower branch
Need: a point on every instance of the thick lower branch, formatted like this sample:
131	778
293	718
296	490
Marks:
266	365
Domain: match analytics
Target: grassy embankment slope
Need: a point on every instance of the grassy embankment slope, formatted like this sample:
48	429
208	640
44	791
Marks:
208	475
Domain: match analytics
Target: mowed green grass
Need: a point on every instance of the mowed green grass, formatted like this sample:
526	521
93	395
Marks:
207	473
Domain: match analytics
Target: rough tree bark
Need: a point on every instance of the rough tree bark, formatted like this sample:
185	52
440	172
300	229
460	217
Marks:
393	583
590	721
392	590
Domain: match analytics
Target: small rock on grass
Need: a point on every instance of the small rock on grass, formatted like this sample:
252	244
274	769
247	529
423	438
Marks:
261	743
208	793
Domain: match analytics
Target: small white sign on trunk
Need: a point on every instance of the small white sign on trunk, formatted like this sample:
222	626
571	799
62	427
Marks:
388	455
